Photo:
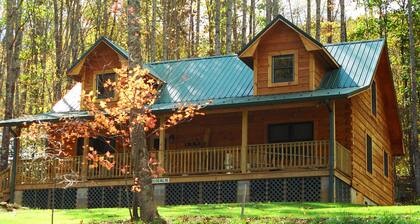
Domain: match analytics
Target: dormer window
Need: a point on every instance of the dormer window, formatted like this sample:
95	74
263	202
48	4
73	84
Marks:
282	68
102	91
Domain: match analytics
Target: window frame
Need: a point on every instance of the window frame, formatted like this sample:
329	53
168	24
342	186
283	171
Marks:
295	80
369	171
95	83
374	98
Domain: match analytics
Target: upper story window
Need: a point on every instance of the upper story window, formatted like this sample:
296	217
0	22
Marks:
283	68
374	98
369	155
102	91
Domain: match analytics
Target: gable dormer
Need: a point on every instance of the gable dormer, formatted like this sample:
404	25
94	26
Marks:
285	59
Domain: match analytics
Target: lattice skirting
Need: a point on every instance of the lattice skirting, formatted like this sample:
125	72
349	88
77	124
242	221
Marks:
342	191
45	198
287	189
201	193
109	197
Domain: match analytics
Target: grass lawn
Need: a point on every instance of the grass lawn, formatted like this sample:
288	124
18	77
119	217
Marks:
230	213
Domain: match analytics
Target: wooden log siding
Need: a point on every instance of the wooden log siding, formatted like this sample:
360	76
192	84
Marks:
309	154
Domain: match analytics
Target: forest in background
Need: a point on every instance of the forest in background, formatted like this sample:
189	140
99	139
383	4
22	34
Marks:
49	35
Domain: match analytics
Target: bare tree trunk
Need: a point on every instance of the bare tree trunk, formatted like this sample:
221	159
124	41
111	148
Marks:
217	28
153	34
275	8
253	23
13	40
165	29
343	28
318	20
235	26
191	30
330	6
308	17
58	33
414	144
210	14
229	26
267	11
244	22
197	28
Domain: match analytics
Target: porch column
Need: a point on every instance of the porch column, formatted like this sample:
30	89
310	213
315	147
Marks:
244	145
16	149
331	187
85	159
162	142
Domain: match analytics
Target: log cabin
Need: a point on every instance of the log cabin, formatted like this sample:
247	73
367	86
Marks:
291	119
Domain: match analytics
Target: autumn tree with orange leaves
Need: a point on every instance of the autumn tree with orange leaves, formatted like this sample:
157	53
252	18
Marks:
135	91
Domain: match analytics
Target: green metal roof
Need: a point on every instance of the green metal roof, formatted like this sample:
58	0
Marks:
228	81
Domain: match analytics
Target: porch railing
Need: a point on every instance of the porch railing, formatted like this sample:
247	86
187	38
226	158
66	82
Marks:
343	159
310	154
261	157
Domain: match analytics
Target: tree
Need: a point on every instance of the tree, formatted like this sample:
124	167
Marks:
414	144
268	8
229	26
343	28
217	46
153	34
252	19
197	27
329	34
308	17
13	42
243	34
318	20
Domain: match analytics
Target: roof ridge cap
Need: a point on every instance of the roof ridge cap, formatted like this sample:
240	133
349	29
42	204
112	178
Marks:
354	42
191	59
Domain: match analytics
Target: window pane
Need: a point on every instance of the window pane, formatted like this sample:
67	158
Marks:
282	70
302	132
278	133
369	153
100	85
385	164
374	98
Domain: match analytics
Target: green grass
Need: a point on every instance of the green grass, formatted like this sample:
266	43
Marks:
230	213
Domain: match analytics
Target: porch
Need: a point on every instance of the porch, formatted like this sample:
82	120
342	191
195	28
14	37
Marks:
260	158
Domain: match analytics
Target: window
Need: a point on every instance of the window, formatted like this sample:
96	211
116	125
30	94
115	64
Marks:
102	91
385	164
282	68
369	154
290	132
374	98
100	144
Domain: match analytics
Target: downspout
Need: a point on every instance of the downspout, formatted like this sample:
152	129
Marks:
331	112
14	167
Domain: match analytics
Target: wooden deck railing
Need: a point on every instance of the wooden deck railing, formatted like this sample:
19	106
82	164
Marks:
202	160
261	157
310	154
4	180
343	159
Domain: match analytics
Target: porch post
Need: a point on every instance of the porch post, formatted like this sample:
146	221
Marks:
162	142
84	159
331	187
14	164
244	145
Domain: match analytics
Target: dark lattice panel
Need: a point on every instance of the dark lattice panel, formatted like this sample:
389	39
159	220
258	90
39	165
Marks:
289	189
342	191
201	193
47	198
312	189
294	189
275	190
228	191
258	191
109	197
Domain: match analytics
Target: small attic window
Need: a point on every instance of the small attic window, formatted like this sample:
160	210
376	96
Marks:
283	68
102	91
